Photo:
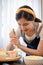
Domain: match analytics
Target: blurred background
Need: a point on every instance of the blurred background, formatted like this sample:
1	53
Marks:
7	16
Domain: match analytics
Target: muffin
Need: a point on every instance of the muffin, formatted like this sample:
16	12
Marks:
2	54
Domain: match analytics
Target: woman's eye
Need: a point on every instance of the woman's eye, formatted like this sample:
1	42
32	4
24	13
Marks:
19	24
25	24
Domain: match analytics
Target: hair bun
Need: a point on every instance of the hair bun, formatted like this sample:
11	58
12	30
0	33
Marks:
37	20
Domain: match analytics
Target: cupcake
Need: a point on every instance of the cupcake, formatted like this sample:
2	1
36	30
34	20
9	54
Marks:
12	54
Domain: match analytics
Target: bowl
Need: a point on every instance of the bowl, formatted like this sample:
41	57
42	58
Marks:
33	60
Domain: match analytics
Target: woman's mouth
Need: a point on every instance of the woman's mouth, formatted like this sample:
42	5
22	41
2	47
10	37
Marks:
26	30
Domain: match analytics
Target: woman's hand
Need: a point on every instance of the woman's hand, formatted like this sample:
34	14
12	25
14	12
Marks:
12	34
13	38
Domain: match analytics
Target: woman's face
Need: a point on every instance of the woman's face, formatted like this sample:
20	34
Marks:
26	26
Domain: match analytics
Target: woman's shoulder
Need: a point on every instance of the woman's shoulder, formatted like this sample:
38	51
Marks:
41	31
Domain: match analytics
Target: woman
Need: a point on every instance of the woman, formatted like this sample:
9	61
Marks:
30	30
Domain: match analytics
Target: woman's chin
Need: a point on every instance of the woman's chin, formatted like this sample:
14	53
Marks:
28	34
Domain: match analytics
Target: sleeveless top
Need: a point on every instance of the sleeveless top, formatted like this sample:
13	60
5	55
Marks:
33	44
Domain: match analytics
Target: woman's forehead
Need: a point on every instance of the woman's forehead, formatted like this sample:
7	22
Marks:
23	20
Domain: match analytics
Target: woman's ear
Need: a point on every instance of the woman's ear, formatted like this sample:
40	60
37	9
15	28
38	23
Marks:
37	24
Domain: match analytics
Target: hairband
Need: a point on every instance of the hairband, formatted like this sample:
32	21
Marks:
26	10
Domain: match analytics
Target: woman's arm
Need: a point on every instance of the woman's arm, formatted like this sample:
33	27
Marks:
30	51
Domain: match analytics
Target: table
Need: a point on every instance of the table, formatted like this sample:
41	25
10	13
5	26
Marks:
14	63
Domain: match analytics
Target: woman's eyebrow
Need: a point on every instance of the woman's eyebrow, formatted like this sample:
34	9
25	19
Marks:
23	23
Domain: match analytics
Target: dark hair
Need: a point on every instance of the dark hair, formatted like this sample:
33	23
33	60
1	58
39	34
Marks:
38	20
24	14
